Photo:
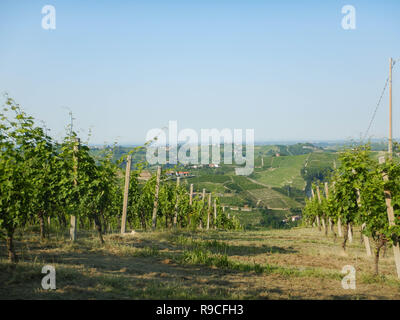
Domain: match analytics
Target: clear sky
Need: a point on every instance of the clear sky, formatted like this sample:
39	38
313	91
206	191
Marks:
286	69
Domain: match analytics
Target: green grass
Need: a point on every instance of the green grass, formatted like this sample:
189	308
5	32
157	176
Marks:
205	257
300	263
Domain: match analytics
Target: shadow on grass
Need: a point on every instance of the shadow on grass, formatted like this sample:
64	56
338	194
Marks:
222	246
135	268
134	278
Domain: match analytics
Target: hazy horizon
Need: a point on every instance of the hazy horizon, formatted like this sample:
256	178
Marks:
264	143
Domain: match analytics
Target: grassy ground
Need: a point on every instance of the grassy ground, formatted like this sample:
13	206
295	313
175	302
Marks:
299	263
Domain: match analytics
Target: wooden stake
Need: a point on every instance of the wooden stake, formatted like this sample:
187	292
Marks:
190	203
209	211
326	190
203	198
327	195
339	226
126	190
317	217
72	230
322	219
350	232
191	194
364	237
176	203
324	225
390	213
366	242
215	213
155	207
339	222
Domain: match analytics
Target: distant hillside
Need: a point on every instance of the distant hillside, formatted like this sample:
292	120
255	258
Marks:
286	150
277	187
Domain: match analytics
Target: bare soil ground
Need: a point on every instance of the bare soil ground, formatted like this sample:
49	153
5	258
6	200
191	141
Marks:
300	263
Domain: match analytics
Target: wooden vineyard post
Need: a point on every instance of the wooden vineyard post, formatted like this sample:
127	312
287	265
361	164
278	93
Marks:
190	203
366	242
203	199
327	195
48	226
322	219
364	237
209	211
317	217
155	207
390	213
350	232
339	222
215	213
72	230
176	203
262	162
330	224
339	227
126	190
191	194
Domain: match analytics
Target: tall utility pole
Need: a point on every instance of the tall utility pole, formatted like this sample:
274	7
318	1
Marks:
126	190
390	108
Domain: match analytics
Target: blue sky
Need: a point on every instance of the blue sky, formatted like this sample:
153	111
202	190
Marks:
287	69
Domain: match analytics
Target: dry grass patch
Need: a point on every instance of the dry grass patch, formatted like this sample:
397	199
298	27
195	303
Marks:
280	264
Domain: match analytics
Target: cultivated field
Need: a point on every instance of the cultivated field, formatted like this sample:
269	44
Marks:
299	263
